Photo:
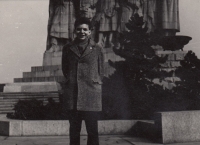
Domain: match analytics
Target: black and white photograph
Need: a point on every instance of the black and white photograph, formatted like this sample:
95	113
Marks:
99	72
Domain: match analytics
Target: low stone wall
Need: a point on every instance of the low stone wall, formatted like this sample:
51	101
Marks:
179	126
10	127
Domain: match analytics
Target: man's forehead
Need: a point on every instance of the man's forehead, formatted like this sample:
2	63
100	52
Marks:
83	26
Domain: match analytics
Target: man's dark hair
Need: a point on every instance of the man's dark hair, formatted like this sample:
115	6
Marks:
83	20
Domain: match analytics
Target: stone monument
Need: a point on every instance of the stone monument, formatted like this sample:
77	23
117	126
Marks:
109	18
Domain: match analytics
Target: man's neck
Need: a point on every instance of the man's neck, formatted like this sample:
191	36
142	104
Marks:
79	41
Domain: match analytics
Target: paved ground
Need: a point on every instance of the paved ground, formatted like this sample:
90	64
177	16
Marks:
64	140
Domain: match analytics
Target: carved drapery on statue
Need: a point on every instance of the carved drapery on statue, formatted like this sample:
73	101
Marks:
110	16
108	22
161	15
147	9
169	20
109	19
127	9
61	23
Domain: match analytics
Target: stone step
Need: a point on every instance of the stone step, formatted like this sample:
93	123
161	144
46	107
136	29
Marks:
15	100
26	98
6	105
28	94
11	105
33	87
6	111
31	96
42	74
6	108
46	68
40	79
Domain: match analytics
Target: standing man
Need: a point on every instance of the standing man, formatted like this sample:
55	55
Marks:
82	66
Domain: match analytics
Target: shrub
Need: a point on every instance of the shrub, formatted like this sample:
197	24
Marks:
35	110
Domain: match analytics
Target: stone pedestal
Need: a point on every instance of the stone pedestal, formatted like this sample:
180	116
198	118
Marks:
52	58
177	127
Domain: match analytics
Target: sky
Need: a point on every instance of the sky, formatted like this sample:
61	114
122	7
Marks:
23	33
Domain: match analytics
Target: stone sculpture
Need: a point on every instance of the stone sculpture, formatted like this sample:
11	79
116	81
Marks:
88	8
109	17
169	20
161	15
61	24
127	9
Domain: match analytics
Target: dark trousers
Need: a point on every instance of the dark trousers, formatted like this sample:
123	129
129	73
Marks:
91	123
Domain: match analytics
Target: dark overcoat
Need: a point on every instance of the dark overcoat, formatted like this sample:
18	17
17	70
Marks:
84	74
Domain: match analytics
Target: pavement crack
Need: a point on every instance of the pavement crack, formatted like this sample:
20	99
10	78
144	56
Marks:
5	138
127	141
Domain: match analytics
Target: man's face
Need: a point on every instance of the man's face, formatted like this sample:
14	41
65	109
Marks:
82	31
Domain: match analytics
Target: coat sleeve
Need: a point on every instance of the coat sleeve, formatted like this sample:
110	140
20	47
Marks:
101	63
65	62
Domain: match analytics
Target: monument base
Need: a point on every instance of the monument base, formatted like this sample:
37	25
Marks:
32	87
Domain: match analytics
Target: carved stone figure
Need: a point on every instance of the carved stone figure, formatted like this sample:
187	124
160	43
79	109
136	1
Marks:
110	16
109	19
146	8
87	8
161	15
61	24
167	17
127	8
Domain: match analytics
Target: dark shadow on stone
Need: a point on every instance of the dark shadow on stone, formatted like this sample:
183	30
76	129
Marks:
115	97
1	87
144	129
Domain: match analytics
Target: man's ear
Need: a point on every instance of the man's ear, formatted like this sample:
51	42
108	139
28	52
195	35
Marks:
90	32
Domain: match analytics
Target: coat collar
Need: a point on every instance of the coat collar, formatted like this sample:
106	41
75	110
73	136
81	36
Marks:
87	51
74	48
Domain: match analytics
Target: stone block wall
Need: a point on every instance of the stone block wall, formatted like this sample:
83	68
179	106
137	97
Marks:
173	61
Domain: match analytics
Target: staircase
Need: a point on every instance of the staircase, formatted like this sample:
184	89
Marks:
8	100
